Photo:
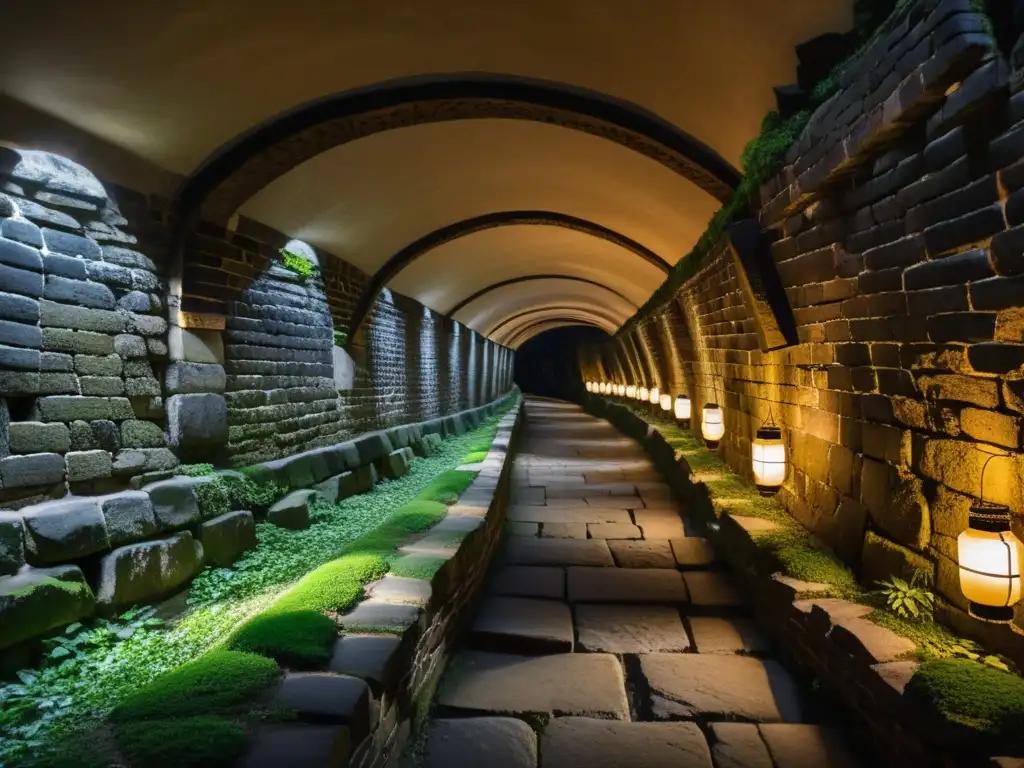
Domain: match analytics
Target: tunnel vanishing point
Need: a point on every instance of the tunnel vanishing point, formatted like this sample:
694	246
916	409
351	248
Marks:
512	384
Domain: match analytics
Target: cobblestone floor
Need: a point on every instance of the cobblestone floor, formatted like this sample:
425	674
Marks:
608	637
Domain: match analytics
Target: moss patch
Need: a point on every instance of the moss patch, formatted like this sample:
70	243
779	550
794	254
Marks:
299	638
195	470
475	457
799	557
974	696
417	566
335	586
216	682
453	481
192	742
302	267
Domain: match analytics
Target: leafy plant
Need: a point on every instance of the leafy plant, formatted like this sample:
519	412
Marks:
213	498
296	263
195	470
908	601
340	338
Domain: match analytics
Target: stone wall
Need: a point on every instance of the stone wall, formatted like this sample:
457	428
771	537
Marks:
898	237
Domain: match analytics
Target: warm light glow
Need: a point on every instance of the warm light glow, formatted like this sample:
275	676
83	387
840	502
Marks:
622	390
666	402
642	394
631	391
768	457
683	408
712	425
989	557
590	386
654	396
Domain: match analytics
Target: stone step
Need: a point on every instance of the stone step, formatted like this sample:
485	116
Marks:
529	581
712	687
660	523
630	629
578	742
590	684
522	625
564	530
580	513
642	554
716	635
693	552
481	742
652	586
709	589
779	745
591	552
614	531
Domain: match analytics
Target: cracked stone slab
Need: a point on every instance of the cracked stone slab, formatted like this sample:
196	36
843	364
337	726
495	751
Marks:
564	531
660	524
712	687
575	742
711	589
523	625
739	745
796	746
655	586
630	629
578	513
530	581
589	552
481	742
614	531
588	684
693	552
715	635
642	554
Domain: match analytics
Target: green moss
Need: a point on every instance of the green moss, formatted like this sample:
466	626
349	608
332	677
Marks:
974	696
340	338
453	481
301	638
448	498
799	557
474	457
193	742
335	586
305	269
77	752
247	492
212	683
213	498
195	470
417	566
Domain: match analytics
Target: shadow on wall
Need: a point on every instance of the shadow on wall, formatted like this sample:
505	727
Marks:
549	365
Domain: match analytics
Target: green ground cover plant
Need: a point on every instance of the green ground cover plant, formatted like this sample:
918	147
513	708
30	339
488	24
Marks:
49	708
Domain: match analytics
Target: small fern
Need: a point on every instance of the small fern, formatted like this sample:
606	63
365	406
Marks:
908	601
304	268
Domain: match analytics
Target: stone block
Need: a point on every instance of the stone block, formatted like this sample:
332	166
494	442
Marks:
227	537
142	387
18	358
144	572
31	470
21	309
128	516
372	447
37	600
129	346
79	293
569	742
102	386
870	643
88	465
19	255
135	460
58	531
21	281
394	465
70	245
20	335
77	342
496	742
141	434
12	542
882	559
174	502
105	435
292	511
39	437
195	345
70	408
96	365
364	478
79	318
198	421
325	698
188	378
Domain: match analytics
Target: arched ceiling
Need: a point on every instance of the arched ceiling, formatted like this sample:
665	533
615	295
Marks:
535	330
185	85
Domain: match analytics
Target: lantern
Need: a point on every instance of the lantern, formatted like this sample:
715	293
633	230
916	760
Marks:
683	408
590	386
641	394
622	390
604	387
989	557
666	402
654	395
631	391
712	425
768	457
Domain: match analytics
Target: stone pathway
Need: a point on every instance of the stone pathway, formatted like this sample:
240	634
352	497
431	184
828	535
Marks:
608	637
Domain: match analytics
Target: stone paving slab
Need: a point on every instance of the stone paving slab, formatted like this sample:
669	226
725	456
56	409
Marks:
527	495
523	625
564	531
524	529
298	745
592	552
530	581
370	657
797	746
716	635
481	742
739	745
399	589
642	554
660	523
324	698
652	586
709	589
613	531
580	513
588	684
581	742
574	489
616	502
630	628
712	687
693	552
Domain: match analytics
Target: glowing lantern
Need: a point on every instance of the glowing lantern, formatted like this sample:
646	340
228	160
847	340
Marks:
768	456
654	395
666	402
990	557
683	408
641	394
631	391
622	390
590	386
712	425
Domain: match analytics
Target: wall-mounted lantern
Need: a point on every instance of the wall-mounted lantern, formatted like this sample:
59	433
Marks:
631	392
989	557
590	386
621	390
654	396
768	458
642	394
712	425
666	402
683	409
